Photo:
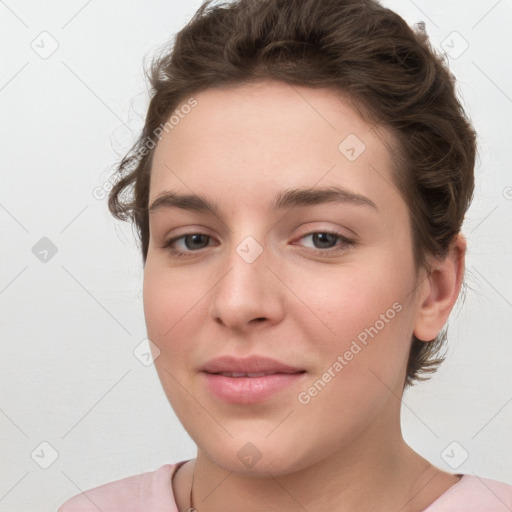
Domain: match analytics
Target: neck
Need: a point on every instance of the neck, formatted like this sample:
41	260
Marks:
369	474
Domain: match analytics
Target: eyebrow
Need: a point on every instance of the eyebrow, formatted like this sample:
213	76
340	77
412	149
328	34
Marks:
289	198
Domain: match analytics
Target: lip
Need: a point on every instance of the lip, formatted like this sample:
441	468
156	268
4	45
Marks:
251	364
248	389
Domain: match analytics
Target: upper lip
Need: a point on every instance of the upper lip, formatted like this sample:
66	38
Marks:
251	364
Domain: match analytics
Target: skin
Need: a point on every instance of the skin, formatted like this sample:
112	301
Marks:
240	146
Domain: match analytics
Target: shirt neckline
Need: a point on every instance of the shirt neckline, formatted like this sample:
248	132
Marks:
443	496
436	502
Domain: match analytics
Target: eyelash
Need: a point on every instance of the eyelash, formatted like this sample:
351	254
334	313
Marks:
347	242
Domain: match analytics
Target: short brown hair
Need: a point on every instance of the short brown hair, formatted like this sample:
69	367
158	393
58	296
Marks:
390	73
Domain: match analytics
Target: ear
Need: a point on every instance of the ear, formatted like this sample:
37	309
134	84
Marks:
440	292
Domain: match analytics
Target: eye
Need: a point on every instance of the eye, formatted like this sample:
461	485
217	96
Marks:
189	243
329	243
325	242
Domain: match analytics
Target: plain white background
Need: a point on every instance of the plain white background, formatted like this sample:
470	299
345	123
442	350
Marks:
70	324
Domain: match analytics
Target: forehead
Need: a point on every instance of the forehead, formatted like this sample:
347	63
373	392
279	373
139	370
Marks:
259	137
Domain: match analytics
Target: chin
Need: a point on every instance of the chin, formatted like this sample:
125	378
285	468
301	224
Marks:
258	456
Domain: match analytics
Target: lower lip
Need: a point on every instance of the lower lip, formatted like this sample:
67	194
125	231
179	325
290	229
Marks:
249	390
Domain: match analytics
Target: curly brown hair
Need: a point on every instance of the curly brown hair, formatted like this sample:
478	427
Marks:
387	70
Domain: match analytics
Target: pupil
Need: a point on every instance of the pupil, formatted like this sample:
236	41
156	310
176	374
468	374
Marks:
323	238
196	241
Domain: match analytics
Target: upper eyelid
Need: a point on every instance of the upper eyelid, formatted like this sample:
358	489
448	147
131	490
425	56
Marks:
307	233
343	237
203	230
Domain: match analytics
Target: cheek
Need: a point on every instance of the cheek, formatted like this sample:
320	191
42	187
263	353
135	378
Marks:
362	313
346	301
169	300
358	366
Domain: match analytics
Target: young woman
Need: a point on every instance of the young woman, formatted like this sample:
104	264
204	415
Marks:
298	189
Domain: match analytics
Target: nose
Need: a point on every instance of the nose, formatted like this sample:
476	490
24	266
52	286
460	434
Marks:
248	294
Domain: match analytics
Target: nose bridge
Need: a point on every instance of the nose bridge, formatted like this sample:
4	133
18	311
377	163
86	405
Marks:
246	278
245	292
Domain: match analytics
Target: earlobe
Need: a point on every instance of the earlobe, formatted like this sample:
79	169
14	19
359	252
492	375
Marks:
444	283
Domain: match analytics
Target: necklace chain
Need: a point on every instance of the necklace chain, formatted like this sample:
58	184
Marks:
192	508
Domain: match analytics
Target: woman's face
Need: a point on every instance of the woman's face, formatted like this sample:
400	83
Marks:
323	284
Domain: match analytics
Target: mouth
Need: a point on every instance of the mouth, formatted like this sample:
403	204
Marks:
253	365
247	388
249	380
251	375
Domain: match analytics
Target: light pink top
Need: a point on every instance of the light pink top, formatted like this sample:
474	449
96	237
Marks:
152	492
